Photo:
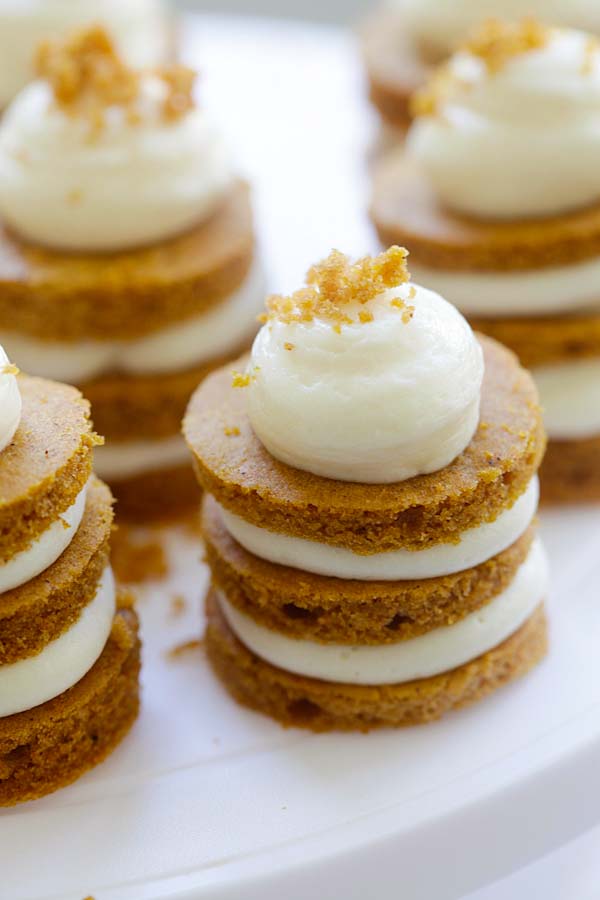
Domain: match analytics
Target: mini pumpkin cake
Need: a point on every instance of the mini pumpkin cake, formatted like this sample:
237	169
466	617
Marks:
405	40
498	197
369	515
141	29
127	261
69	651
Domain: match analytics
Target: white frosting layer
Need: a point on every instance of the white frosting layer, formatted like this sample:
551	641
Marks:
554	289
132	184
62	663
443	24
45	549
476	546
10	403
421	657
570	398
197	340
127	458
379	402
139	27
522	141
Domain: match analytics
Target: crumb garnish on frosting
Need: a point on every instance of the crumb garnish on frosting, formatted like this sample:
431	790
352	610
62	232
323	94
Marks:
87	76
336	286
592	47
9	369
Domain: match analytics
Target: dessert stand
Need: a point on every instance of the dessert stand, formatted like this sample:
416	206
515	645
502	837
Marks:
207	801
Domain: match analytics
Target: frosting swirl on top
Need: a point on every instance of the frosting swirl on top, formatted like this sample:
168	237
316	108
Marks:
441	25
510	128
363	377
10	401
96	156
138	26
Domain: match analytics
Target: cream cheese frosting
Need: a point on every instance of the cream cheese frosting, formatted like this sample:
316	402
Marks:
422	657
475	546
10	401
441	25
124	459
570	398
63	662
374	400
140	28
134	183
219	330
518	137
45	549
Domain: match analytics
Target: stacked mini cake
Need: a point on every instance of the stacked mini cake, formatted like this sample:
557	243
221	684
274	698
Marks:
69	653
369	516
498	198
140	27
127	263
406	39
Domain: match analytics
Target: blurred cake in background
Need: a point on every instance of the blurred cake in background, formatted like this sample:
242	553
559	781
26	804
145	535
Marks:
406	39
369	511
127	262
497	195
141	29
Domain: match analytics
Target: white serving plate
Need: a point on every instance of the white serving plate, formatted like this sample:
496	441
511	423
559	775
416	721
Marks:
207	800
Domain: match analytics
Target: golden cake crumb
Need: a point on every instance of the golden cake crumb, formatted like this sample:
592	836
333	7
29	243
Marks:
178	605
590	55
240	380
335	285
496	42
185	647
87	76
9	369
231	431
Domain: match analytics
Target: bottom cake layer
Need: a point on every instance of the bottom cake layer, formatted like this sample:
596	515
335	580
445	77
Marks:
50	746
570	472
325	706
158	494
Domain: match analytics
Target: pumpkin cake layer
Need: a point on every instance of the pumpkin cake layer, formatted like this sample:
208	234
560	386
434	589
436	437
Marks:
115	296
50	746
487	478
406	211
570	472
158	494
324	706
135	407
299	604
395	68
43	608
47	464
540	340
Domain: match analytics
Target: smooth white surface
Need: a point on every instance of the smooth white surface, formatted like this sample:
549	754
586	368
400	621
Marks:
556	289
10	403
570	398
126	458
206	801
378	402
129	185
44	550
64	661
477	545
518	142
140	28
429	654
219	330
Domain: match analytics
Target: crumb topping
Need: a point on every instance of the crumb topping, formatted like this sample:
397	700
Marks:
9	369
336	286
87	76
590	56
231	431
244	379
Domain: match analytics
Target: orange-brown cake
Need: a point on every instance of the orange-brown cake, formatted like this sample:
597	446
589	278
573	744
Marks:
369	512
127	257
496	197
69	652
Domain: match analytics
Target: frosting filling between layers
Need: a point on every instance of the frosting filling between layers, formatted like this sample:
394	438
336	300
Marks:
192	342
125	459
437	651
570	398
64	661
46	549
554	289
476	545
